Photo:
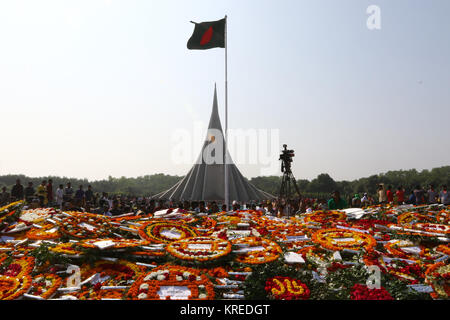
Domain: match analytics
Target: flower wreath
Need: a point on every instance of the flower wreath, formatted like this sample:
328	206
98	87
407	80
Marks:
286	288
398	268
45	285
432	227
394	248
445	249
153	231
289	231
14	287
86	226
67	248
6	215
96	293
270	252
36	215
315	254
327	239
147	286
207	226
11	205
19	267
437	276
118	243
47	232
362	292
411	217
112	273
326	216
443	216
199	248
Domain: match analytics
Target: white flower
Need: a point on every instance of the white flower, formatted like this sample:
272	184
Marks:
179	278
142	296
48	283
199	278
160	277
201	286
202	296
186	274
144	286
149	276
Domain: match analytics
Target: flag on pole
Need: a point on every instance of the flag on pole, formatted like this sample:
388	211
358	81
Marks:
208	35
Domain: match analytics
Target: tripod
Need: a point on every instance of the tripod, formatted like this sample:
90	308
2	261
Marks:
288	182
286	188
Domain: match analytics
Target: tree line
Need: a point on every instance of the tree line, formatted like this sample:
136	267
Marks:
320	187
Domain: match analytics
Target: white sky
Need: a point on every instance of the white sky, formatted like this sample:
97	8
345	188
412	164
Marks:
96	88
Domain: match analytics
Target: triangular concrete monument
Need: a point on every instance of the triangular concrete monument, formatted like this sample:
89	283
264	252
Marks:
206	179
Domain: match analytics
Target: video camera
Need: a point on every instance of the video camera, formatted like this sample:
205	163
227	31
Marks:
286	158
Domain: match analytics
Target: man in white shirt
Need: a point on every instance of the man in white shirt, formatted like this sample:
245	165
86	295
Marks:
59	196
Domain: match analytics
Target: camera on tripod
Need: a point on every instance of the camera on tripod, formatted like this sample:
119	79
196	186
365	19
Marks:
286	158
288	188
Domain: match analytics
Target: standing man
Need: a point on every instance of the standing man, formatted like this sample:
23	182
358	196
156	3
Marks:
419	193
444	196
17	191
89	194
400	193
5	198
79	197
59	196
42	193
68	192
50	198
389	194
356	201
382	198
336	202
365	200
29	192
432	195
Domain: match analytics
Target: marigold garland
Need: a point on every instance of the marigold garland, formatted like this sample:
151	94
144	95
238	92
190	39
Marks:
118	243
86	226
117	273
326	216
270	250
45	285
153	231
438	275
96	293
286	288
48	232
394	248
67	248
19	267
327	238
14	287
432	227
194	249
445	249
146	287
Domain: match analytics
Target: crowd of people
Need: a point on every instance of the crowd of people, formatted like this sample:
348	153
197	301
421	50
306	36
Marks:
86	200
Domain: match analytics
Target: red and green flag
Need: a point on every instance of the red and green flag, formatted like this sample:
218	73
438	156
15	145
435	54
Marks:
208	35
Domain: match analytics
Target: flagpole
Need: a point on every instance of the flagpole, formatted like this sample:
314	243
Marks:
226	117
